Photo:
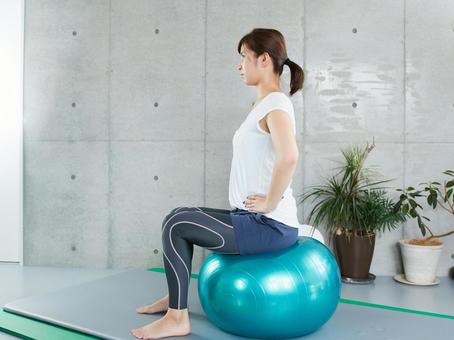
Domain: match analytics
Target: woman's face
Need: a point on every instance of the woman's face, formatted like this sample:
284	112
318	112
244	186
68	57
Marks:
248	66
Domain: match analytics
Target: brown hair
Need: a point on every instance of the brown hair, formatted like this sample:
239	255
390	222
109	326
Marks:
261	40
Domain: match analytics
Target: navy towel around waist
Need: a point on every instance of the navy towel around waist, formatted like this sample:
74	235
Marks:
257	233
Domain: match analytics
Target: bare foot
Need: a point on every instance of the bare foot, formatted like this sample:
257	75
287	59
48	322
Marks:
159	306
164	327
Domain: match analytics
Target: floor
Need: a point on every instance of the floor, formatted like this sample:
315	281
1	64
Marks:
427	305
17	282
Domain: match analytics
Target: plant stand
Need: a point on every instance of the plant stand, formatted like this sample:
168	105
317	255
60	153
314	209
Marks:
369	280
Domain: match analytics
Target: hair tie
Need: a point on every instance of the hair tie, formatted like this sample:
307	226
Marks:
286	61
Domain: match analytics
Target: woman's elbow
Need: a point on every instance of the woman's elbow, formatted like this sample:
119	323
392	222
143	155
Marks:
289	158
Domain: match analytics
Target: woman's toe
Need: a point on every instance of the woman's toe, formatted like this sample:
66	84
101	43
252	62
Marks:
137	332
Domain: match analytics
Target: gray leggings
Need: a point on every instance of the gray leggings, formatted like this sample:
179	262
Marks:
209	228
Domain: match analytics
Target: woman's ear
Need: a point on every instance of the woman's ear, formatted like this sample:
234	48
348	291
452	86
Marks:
265	59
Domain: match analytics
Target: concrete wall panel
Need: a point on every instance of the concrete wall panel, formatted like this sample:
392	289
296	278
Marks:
430	75
157	63
355	85
65	72
148	180
66	204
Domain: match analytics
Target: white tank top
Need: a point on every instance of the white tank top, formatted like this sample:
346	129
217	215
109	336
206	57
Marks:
253	160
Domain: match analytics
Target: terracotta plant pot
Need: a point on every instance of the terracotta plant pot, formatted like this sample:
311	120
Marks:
355	255
420	261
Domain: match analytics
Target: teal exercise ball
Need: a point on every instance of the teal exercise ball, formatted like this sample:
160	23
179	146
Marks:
279	294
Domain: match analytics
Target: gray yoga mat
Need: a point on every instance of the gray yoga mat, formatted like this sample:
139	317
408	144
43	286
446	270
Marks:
106	308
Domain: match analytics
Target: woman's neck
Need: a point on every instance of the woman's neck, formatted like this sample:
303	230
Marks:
263	95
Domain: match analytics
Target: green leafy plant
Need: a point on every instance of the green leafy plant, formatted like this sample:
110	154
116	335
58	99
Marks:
435	194
351	202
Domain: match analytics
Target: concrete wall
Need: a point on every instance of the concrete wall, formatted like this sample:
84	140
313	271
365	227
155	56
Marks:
130	108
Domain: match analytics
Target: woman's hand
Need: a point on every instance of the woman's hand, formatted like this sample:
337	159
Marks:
257	203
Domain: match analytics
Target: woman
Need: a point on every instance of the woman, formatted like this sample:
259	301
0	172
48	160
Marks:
264	216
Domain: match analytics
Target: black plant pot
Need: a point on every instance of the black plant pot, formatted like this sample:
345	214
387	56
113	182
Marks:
354	256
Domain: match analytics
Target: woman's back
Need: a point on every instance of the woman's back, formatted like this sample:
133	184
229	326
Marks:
253	160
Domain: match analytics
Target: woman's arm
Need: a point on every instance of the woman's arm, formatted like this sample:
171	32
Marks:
284	143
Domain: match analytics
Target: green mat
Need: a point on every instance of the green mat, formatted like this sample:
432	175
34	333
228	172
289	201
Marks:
27	328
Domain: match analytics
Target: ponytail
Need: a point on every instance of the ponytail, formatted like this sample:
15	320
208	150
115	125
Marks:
296	76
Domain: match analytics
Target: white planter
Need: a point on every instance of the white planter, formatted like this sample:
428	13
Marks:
420	262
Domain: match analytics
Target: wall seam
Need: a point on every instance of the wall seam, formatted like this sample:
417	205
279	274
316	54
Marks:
23	148
205	105
204	251
303	116
109	144
404	147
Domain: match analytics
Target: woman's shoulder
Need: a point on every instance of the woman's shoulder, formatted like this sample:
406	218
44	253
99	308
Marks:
277	99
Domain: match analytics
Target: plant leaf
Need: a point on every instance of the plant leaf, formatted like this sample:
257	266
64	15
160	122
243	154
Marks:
421	227
405	208
448	194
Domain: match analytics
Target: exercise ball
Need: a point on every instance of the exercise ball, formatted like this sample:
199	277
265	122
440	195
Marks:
279	294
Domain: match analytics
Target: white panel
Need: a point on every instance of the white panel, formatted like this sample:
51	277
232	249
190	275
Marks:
11	113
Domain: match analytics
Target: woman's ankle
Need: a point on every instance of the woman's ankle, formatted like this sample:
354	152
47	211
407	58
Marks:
178	314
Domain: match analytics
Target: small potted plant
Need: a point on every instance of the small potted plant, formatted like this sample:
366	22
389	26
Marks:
353	208
420	256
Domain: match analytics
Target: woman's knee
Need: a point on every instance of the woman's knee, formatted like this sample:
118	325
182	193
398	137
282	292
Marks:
180	209
174	211
167	218
179	216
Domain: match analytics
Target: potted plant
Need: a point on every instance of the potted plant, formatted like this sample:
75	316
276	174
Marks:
353	208
420	256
